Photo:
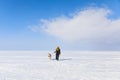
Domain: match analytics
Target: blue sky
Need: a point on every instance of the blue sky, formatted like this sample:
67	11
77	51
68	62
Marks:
22	24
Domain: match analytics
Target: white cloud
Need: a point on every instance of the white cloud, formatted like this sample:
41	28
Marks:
90	24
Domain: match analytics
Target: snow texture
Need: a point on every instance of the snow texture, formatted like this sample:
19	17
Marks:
73	65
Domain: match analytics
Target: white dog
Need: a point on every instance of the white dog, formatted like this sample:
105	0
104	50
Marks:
49	56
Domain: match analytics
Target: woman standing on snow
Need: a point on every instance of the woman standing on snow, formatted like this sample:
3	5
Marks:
57	51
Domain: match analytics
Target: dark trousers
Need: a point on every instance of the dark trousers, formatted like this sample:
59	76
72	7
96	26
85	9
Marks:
57	56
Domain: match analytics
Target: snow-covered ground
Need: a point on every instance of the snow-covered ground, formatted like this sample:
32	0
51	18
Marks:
73	65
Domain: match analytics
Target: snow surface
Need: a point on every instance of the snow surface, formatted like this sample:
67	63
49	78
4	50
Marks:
73	65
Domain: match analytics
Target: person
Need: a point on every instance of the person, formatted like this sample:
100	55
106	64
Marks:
58	52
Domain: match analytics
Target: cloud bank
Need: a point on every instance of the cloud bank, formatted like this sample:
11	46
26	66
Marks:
92	24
